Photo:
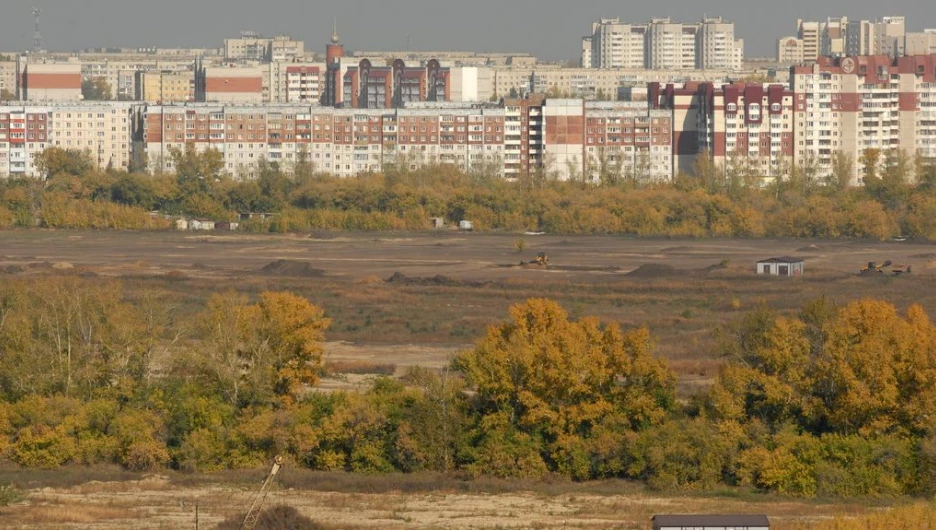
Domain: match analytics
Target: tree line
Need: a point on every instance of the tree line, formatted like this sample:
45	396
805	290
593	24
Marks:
729	201
830	401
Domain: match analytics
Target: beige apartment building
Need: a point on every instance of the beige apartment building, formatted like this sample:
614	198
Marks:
8	77
852	104
662	44
165	87
252	46
48	81
102	130
921	43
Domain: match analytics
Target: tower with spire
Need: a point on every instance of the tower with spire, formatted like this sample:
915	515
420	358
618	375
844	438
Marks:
334	52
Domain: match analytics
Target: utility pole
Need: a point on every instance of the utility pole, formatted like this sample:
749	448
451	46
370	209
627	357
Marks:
37	35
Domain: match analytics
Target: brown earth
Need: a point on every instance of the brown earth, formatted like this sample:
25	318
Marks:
417	299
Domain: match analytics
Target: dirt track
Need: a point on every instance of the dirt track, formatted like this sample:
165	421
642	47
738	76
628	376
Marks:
467	257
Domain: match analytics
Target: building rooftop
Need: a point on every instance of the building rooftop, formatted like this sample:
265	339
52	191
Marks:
784	259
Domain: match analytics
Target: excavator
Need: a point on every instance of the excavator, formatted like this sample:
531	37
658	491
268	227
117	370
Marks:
256	505
875	269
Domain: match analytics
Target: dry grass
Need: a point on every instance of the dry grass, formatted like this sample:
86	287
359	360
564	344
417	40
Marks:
334	368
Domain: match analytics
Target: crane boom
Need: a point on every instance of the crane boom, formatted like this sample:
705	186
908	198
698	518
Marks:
253	514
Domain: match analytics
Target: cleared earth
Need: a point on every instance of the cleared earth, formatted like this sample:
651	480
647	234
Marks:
417	299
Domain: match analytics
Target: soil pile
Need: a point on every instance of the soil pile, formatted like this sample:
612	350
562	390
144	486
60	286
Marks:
296	269
653	270
274	518
437	280
809	248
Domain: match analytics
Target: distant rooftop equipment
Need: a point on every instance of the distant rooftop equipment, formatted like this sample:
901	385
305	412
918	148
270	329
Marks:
37	35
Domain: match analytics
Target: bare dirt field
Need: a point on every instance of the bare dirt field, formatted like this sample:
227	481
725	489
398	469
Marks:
416	299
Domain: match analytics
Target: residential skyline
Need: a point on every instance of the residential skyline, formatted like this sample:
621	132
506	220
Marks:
552	31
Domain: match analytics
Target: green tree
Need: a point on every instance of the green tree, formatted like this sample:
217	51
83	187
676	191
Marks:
96	89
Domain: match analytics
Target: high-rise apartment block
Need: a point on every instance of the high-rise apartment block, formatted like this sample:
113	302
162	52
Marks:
852	104
252	46
840	37
740	125
662	44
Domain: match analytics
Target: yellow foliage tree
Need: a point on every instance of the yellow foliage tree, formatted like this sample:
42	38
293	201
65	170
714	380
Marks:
558	380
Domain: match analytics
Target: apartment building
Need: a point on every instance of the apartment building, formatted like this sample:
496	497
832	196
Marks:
164	87
889	35
470	84
716	47
24	133
834	36
662	44
859	38
853	104
252	46
344	142
367	86
229	84
102	130
590	83
627	140
8	78
671	45
120	73
48	81
738	125
294	82
790	50
614	44
923	43
811	35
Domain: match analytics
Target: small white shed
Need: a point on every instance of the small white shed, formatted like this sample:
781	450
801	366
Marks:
201	224
785	266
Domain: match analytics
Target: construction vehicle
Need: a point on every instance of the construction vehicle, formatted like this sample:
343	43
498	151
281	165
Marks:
874	268
897	270
256	505
542	259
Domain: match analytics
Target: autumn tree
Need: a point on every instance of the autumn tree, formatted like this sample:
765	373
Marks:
559	394
263	352
54	161
96	89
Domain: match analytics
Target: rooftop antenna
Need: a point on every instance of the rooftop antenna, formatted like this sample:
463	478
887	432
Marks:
37	35
409	42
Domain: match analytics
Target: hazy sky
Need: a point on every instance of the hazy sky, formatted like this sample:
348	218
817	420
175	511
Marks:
548	28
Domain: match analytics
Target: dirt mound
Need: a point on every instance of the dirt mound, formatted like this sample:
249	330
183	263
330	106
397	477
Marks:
676	249
928	255
809	248
653	270
284	267
438	279
274	518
